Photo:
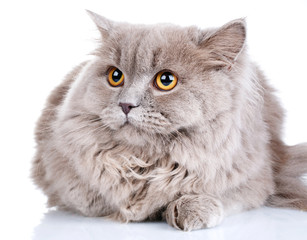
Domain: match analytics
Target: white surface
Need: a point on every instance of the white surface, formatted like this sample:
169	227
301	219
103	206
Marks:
264	224
40	41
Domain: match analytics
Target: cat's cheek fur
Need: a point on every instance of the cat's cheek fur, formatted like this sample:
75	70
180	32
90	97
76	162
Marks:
181	117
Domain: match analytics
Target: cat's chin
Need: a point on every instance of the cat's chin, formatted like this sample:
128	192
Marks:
131	134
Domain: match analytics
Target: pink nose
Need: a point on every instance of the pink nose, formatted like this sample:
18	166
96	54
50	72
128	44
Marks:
126	107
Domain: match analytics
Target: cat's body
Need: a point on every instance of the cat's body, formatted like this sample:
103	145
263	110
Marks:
207	148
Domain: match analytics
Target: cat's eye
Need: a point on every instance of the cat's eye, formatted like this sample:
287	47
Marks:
115	77
165	81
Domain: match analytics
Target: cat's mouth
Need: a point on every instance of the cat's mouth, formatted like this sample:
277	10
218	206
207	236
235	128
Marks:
144	123
126	123
143	127
130	123
132	126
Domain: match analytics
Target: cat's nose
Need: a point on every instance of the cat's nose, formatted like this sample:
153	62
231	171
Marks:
126	107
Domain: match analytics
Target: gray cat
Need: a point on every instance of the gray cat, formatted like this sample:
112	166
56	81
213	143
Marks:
167	122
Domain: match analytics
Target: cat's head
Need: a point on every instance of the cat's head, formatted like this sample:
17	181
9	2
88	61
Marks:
159	79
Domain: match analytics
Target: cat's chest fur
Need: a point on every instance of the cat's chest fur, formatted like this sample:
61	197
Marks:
129	176
125	175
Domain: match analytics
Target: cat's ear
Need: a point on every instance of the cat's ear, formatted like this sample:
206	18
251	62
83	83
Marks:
103	24
226	43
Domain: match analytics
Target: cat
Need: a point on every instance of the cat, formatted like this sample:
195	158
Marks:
167	122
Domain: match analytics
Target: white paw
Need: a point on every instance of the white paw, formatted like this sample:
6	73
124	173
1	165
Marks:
191	212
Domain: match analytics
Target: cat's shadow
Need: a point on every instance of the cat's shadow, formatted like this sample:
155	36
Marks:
61	225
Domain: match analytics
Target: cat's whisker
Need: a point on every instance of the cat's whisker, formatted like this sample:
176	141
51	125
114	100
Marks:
89	132
86	124
80	115
179	137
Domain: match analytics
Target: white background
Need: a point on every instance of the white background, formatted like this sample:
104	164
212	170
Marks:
40	41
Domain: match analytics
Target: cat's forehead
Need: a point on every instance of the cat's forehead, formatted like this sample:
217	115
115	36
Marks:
151	48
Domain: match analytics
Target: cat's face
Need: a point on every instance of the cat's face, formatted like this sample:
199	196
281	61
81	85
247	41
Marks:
157	79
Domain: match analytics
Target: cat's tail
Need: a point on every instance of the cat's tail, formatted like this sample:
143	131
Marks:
291	178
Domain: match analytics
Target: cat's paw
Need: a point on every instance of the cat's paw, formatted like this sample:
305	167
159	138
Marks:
191	212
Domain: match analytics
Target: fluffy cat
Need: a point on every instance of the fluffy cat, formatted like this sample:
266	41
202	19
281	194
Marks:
167	122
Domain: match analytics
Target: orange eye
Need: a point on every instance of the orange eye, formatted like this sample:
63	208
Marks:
165	81
115	77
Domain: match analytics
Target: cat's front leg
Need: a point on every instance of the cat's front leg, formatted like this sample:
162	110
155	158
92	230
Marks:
191	212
